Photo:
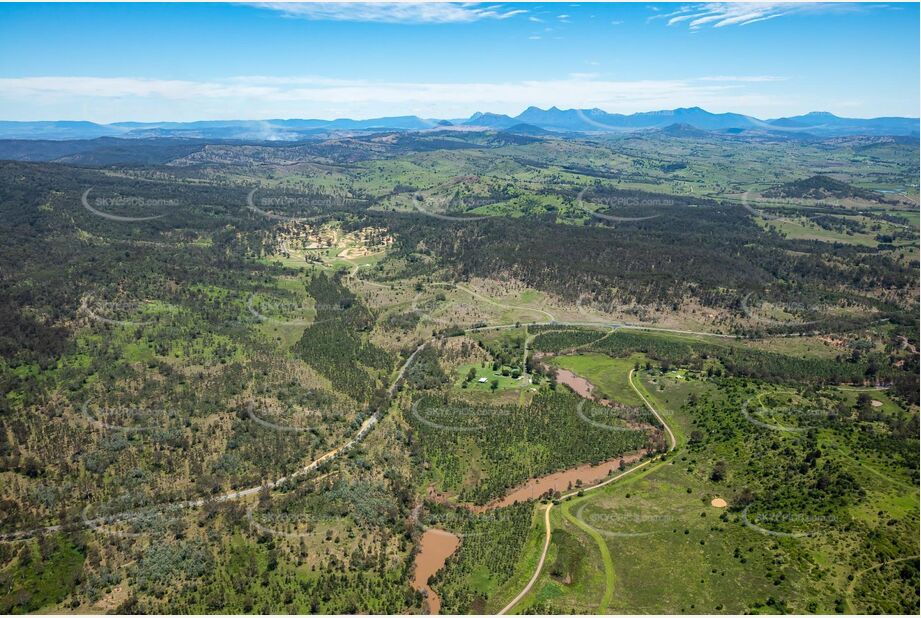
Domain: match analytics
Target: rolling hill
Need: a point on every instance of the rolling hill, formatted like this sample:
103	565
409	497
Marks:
590	121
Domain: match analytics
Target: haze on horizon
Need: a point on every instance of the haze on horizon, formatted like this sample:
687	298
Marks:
153	63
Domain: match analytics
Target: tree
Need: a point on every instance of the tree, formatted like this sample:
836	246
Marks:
745	497
719	472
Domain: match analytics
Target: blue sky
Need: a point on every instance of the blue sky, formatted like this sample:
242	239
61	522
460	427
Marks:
151	62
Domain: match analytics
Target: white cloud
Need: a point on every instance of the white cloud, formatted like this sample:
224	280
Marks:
742	78
108	99
391	12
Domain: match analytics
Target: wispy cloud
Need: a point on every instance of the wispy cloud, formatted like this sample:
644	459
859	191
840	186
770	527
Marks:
392	12
722	14
742	78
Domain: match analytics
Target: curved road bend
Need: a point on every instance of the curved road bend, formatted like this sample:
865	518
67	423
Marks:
547	529
331	455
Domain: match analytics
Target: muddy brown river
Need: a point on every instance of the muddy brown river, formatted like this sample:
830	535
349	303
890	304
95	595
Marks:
438	545
435	548
561	481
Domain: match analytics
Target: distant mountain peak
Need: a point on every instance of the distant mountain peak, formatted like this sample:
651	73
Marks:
683	129
828	115
524	128
554	119
488	119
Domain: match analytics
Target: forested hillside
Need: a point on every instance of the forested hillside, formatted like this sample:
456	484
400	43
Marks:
263	377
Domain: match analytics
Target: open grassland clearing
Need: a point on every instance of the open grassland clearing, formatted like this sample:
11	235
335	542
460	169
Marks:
765	550
608	375
218	348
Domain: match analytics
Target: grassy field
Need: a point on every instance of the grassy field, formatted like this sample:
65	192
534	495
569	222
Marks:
505	382
217	349
659	525
609	375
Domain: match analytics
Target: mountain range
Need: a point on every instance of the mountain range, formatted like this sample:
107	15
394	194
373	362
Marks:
533	121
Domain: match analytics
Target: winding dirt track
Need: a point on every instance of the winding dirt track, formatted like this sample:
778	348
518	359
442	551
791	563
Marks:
547	528
853	584
362	432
